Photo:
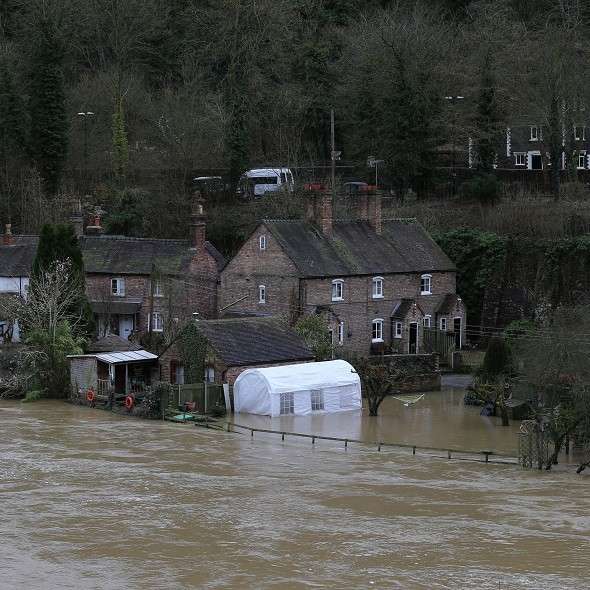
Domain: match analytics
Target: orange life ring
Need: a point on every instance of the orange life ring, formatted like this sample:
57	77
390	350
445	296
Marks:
129	401
90	395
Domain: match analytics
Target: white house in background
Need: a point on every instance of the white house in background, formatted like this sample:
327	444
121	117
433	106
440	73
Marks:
16	259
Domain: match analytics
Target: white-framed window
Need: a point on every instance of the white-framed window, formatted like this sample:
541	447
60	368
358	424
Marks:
262	242
317	400
427	321
377	287
157	322
426	284
118	287
377	330
443	324
581	159
398	330
210	374
337	289
520	158
535	133
579	132
261	294
341	333
158	291
287	403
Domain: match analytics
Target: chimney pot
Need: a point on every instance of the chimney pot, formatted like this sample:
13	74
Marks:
95	229
7	238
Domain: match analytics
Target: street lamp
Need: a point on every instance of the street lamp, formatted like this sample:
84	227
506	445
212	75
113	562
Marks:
454	100
85	115
373	163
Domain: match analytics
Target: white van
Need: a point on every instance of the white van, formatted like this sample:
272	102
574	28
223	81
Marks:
258	181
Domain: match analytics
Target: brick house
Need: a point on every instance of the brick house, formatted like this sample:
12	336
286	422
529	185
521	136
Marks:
237	344
378	282
138	285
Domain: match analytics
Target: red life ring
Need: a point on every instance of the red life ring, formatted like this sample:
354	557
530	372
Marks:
90	395
129	401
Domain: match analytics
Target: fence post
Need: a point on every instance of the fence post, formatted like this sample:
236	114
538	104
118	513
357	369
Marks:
205	397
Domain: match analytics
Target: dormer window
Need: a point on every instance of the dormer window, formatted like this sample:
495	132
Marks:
118	287
579	133
378	288
158	291
337	289
535	134
262	242
426	284
261	294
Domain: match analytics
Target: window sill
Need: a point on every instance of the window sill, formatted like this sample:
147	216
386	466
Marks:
335	300
377	296
398	337
156	330
425	292
376	340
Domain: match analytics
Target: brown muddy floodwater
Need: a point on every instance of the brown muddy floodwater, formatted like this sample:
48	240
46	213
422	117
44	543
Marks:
91	500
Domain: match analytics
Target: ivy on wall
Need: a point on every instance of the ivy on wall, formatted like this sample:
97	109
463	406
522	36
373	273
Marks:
192	347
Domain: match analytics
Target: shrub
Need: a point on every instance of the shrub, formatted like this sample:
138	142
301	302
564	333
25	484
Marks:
485	188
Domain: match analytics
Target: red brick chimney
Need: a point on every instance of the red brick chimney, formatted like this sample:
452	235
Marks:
374	212
324	213
94	228
198	224
7	238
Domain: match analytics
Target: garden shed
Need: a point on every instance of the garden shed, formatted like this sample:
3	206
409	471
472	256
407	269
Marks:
326	387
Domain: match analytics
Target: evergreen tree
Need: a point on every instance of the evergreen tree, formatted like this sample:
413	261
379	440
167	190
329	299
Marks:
48	141
120	145
58	243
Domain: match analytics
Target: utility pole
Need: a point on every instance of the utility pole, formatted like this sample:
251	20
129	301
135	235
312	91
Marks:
454	100
335	155
85	115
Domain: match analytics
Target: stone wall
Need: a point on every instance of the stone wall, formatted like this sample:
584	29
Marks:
424	371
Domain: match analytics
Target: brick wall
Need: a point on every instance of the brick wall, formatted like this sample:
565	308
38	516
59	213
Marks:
253	267
181	296
358	309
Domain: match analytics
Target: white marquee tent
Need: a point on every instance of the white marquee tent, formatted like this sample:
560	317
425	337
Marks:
326	387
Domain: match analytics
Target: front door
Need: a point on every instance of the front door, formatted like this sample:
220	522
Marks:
413	344
457	331
536	162
125	326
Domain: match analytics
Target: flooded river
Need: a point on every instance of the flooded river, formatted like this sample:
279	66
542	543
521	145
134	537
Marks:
90	500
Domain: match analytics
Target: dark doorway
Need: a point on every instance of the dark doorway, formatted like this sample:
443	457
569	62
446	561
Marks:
120	378
536	162
413	346
457	331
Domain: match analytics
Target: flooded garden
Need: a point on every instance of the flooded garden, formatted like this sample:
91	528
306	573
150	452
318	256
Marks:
90	499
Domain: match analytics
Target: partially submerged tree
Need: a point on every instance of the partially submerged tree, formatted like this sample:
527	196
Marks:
50	321
554	376
379	380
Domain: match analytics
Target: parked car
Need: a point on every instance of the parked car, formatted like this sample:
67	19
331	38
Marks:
355	187
209	185
259	181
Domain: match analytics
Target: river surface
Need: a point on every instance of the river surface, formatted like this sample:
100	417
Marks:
92	500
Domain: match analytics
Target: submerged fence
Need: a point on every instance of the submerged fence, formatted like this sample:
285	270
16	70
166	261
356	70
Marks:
203	395
484	456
